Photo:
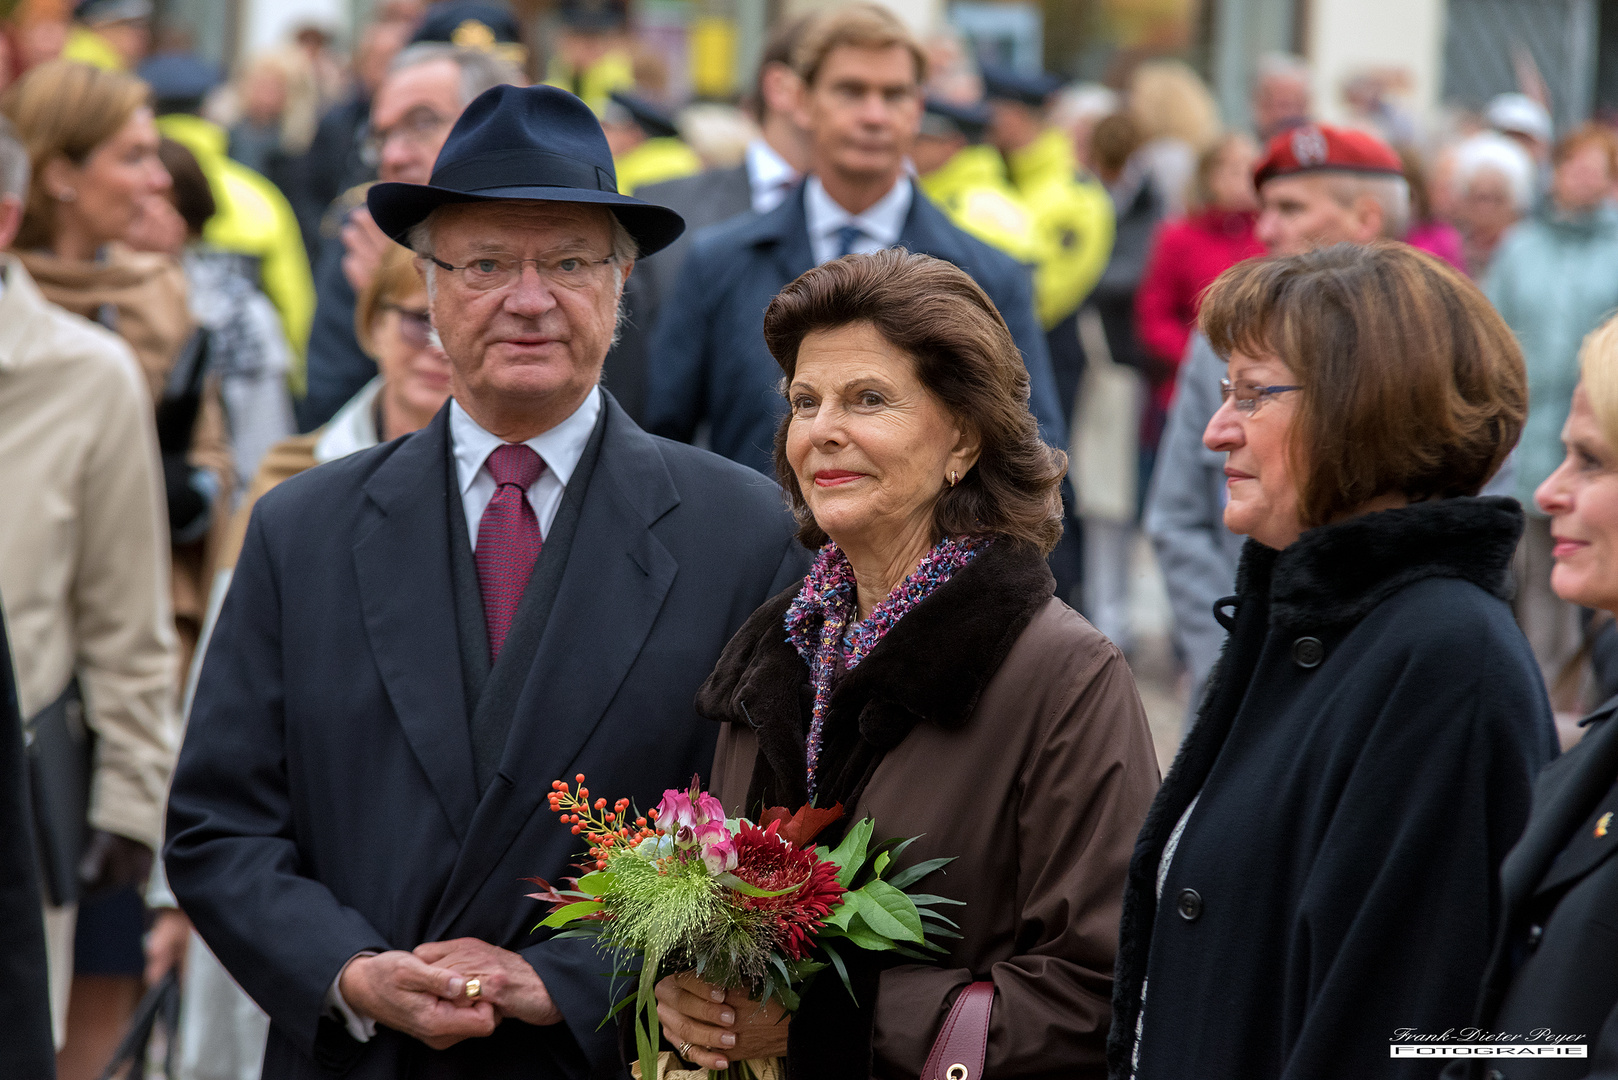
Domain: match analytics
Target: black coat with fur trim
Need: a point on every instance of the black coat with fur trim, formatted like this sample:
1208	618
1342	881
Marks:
1003	730
1360	766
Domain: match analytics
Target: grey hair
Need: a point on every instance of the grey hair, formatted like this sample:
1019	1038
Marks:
1280	65
1392	193
1489	151
480	70
14	164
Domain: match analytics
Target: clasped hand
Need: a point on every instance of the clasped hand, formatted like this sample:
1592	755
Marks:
423	993
712	1027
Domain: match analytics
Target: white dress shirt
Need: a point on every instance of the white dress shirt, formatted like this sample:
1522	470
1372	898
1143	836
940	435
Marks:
881	223
768	176
560	448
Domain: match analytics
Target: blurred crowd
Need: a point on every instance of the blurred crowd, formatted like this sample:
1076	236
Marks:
252	321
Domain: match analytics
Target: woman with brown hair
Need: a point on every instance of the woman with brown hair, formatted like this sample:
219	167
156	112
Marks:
1317	873
924	675
93	142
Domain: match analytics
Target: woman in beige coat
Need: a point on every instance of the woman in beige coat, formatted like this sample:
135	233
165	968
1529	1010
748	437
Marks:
925	676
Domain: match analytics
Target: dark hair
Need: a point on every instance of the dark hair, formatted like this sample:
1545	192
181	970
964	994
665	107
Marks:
938	316
1411	382
191	195
1114	138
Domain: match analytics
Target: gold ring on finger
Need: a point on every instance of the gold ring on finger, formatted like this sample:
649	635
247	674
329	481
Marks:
685	1051
474	989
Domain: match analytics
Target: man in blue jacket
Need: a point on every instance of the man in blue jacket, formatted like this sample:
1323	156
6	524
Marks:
862	106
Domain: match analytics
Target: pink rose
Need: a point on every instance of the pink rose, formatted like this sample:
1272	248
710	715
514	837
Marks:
675	810
709	808
718	847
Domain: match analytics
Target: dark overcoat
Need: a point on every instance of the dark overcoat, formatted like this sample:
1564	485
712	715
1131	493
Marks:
712	364
25	996
325	799
1555	964
1360	767
705	199
1002	729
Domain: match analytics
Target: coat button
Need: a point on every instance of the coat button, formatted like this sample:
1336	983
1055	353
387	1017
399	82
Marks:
1189	905
1534	934
1308	652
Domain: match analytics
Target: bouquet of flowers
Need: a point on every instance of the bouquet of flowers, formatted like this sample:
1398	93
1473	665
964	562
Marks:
743	904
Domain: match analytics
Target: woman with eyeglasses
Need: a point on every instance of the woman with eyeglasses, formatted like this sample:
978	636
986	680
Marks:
1315	885
412	384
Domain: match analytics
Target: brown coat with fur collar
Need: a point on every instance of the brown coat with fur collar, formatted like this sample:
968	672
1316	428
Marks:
1004	730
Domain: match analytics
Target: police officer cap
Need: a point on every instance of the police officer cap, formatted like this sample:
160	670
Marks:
178	80
947	118
456	23
654	121
593	15
95	12
1007	84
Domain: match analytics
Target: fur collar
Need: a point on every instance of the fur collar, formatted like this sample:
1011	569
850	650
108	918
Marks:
1335	575
930	668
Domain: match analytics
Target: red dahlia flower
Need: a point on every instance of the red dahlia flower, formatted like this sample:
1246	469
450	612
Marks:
767	862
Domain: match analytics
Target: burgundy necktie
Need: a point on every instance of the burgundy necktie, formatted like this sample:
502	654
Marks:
508	538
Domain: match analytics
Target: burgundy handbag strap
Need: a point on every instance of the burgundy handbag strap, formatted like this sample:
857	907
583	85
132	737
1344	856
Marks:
964	1039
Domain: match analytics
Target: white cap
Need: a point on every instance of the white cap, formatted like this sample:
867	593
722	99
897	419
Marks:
1519	114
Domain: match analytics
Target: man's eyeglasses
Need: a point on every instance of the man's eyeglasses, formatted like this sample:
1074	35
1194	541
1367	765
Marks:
419	127
415	327
489	272
1249	395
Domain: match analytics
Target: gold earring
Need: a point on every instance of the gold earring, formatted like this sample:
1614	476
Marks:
954	478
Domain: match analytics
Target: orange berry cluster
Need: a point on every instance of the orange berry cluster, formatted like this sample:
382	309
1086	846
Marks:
604	830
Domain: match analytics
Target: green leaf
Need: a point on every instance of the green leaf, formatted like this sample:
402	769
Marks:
839	915
597	882
648	1032
889	912
731	881
564	915
850	854
837	962
881	863
922	900
861	934
910	875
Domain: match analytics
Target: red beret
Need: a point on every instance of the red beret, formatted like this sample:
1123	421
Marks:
1319	148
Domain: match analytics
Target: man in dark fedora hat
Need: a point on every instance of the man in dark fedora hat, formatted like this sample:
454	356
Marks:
419	638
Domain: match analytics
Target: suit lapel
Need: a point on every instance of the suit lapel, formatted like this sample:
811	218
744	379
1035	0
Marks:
1563	796
608	597
788	226
403	565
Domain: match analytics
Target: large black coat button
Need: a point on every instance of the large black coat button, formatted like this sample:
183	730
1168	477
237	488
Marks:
1535	934
1189	905
1308	652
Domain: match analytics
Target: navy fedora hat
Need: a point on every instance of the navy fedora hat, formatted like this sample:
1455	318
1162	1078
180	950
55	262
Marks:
523	142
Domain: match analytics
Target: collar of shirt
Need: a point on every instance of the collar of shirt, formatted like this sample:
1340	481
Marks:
769	177
881	223
560	448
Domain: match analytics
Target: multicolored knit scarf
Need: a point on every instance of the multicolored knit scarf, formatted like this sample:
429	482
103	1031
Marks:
818	622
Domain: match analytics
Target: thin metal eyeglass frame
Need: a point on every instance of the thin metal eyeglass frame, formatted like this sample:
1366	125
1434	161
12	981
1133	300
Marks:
517	270
1227	390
